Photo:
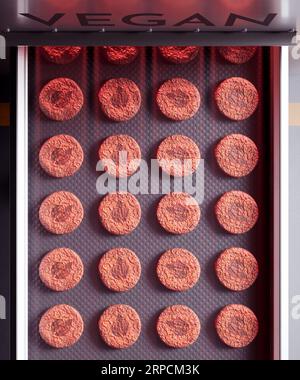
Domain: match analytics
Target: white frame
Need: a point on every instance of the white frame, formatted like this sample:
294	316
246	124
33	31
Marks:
284	204
22	205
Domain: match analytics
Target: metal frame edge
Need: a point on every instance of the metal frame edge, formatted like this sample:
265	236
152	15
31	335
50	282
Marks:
284	203
151	38
22	205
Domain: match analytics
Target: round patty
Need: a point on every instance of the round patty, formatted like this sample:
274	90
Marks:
236	98
237	155
178	99
178	269
120	213
179	54
178	155
236	325
237	212
120	155
61	269
178	213
237	54
61	156
120	326
61	212
120	99
178	326
121	55
61	54
61	99
236	268
61	326
119	269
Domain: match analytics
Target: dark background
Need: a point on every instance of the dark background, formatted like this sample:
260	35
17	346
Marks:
5	93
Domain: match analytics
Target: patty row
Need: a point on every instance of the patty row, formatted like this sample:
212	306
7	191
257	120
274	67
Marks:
120	212
120	155
177	99
177	326
123	55
120	269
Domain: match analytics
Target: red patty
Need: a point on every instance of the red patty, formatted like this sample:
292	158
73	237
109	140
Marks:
120	55
120	99
237	155
237	54
236	325
61	99
178	99
237	212
179	54
236	268
61	54
236	98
